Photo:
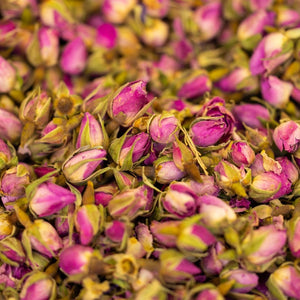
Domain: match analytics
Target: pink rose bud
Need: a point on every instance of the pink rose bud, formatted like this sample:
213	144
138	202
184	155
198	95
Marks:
36	108
131	202
293	226
251	114
115	231
242	154
195	87
7	155
259	4
75	259
216	127
8	33
175	268
255	24
49	46
287	17
11	127
83	164
49	198
163	128
275	91
155	33
209	19
104	193
244	281
283	283
286	136
157	8
43	238
106	36
91	133
211	293
39	286
194	238
116	11
87	33
206	187
180	200
11	248
74	56
87	220
145	237
215	212
261	245
128	150
7	75
269	53
289	170
166	232
166	170
128	103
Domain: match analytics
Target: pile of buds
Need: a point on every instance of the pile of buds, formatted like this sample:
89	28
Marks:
149	149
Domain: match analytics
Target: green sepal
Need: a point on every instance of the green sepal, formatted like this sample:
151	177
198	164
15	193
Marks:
251	42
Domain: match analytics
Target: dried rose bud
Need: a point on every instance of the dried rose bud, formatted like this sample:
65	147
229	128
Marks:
12	251
166	170
39	286
293	226
157	8
43	237
195	87
284	282
7	227
7	75
155	32
82	165
207	186
117	11
193	237
242	154
165	232
7	155
106	35
163	128
87	220
180	200
269	53
287	17
244	281
209	19
275	91
11	127
115	231
286	136
255	24
128	103
211	293
36	108
8	33
216	212
131	202
251	114
75	259
49	198
91	133
104	193
175	268
74	57
145	237
261	245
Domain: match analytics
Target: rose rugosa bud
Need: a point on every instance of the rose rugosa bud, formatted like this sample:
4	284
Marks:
180	200
131	202
273	50
155	32
91	133
275	91
82	165
244	281
287	17
87	220
8	32
8	76
261	245
283	283
74	57
36	108
39	286
242	154
128	103
7	155
49	198
166	170
163	128
117	11
11	127
209	19
75	259
104	193
175	268
287	136
211	293
106	36
207	186
216	212
215	124
11	251
115	231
